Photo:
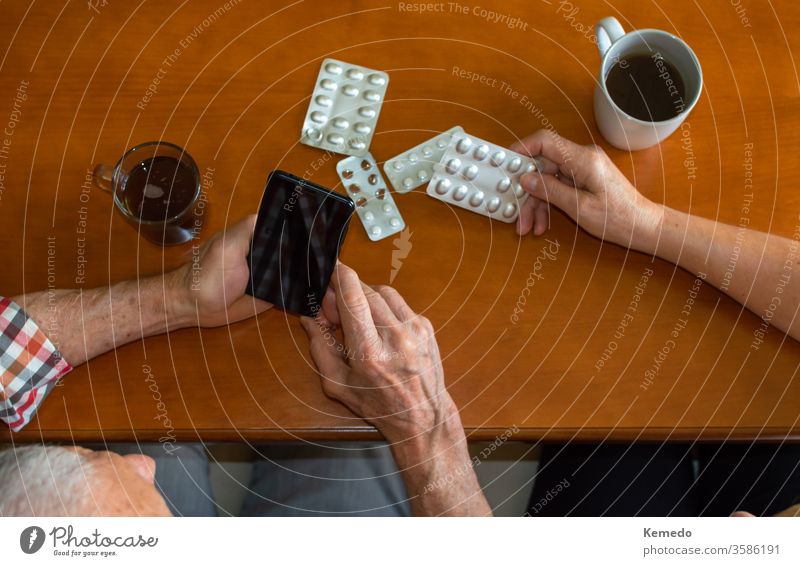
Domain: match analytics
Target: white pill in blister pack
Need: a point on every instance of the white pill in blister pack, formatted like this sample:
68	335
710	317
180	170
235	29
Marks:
414	167
374	203
481	177
344	108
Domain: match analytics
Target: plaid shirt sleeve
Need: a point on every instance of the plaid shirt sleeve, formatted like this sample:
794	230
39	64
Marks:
30	365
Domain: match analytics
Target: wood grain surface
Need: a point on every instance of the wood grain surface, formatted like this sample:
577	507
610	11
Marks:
234	81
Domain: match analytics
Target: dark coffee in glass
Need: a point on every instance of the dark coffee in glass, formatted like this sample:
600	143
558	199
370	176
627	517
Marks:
156	186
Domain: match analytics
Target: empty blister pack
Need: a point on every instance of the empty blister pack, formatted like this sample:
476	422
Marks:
374	203
414	167
344	108
481	177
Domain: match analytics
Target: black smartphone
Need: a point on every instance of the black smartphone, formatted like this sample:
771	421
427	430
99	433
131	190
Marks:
300	229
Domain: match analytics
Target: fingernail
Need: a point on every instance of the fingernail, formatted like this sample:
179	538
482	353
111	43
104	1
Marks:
530	181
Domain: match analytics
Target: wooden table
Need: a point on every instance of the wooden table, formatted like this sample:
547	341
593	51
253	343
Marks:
234	81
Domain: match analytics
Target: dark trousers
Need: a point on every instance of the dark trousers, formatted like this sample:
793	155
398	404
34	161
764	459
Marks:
657	480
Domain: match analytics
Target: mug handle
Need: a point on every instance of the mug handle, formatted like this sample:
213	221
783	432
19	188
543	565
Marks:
607	31
103	176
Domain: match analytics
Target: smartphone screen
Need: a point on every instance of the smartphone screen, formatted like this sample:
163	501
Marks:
299	232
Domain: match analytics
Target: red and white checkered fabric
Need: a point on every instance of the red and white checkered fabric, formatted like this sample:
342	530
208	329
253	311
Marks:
30	365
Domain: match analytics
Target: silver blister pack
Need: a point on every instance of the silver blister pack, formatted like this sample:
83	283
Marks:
374	203
414	167
481	177
344	108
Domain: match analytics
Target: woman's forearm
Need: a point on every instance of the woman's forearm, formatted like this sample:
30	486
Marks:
754	268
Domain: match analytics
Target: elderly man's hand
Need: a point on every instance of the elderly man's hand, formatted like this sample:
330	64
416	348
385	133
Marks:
387	369
209	290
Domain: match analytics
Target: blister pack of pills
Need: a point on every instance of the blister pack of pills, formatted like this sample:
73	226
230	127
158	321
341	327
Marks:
344	108
374	203
481	177
414	167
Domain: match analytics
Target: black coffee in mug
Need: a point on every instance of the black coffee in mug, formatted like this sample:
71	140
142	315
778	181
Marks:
646	86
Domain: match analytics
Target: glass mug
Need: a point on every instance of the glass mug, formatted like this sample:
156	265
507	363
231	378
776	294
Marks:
156	186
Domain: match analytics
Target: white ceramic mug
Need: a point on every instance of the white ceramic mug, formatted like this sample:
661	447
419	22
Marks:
619	128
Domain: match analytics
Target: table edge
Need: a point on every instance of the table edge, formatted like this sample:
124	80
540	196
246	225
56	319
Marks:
524	434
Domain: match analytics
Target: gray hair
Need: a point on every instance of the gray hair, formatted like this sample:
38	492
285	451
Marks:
47	481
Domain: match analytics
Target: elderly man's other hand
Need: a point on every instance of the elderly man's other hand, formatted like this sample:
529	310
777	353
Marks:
210	289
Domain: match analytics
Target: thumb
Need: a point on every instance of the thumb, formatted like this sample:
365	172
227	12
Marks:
322	345
240	234
548	188
329	315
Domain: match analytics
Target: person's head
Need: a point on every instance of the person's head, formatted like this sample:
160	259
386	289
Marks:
71	481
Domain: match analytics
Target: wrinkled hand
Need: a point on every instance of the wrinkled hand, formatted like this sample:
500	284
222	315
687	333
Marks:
210	288
387	369
584	183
